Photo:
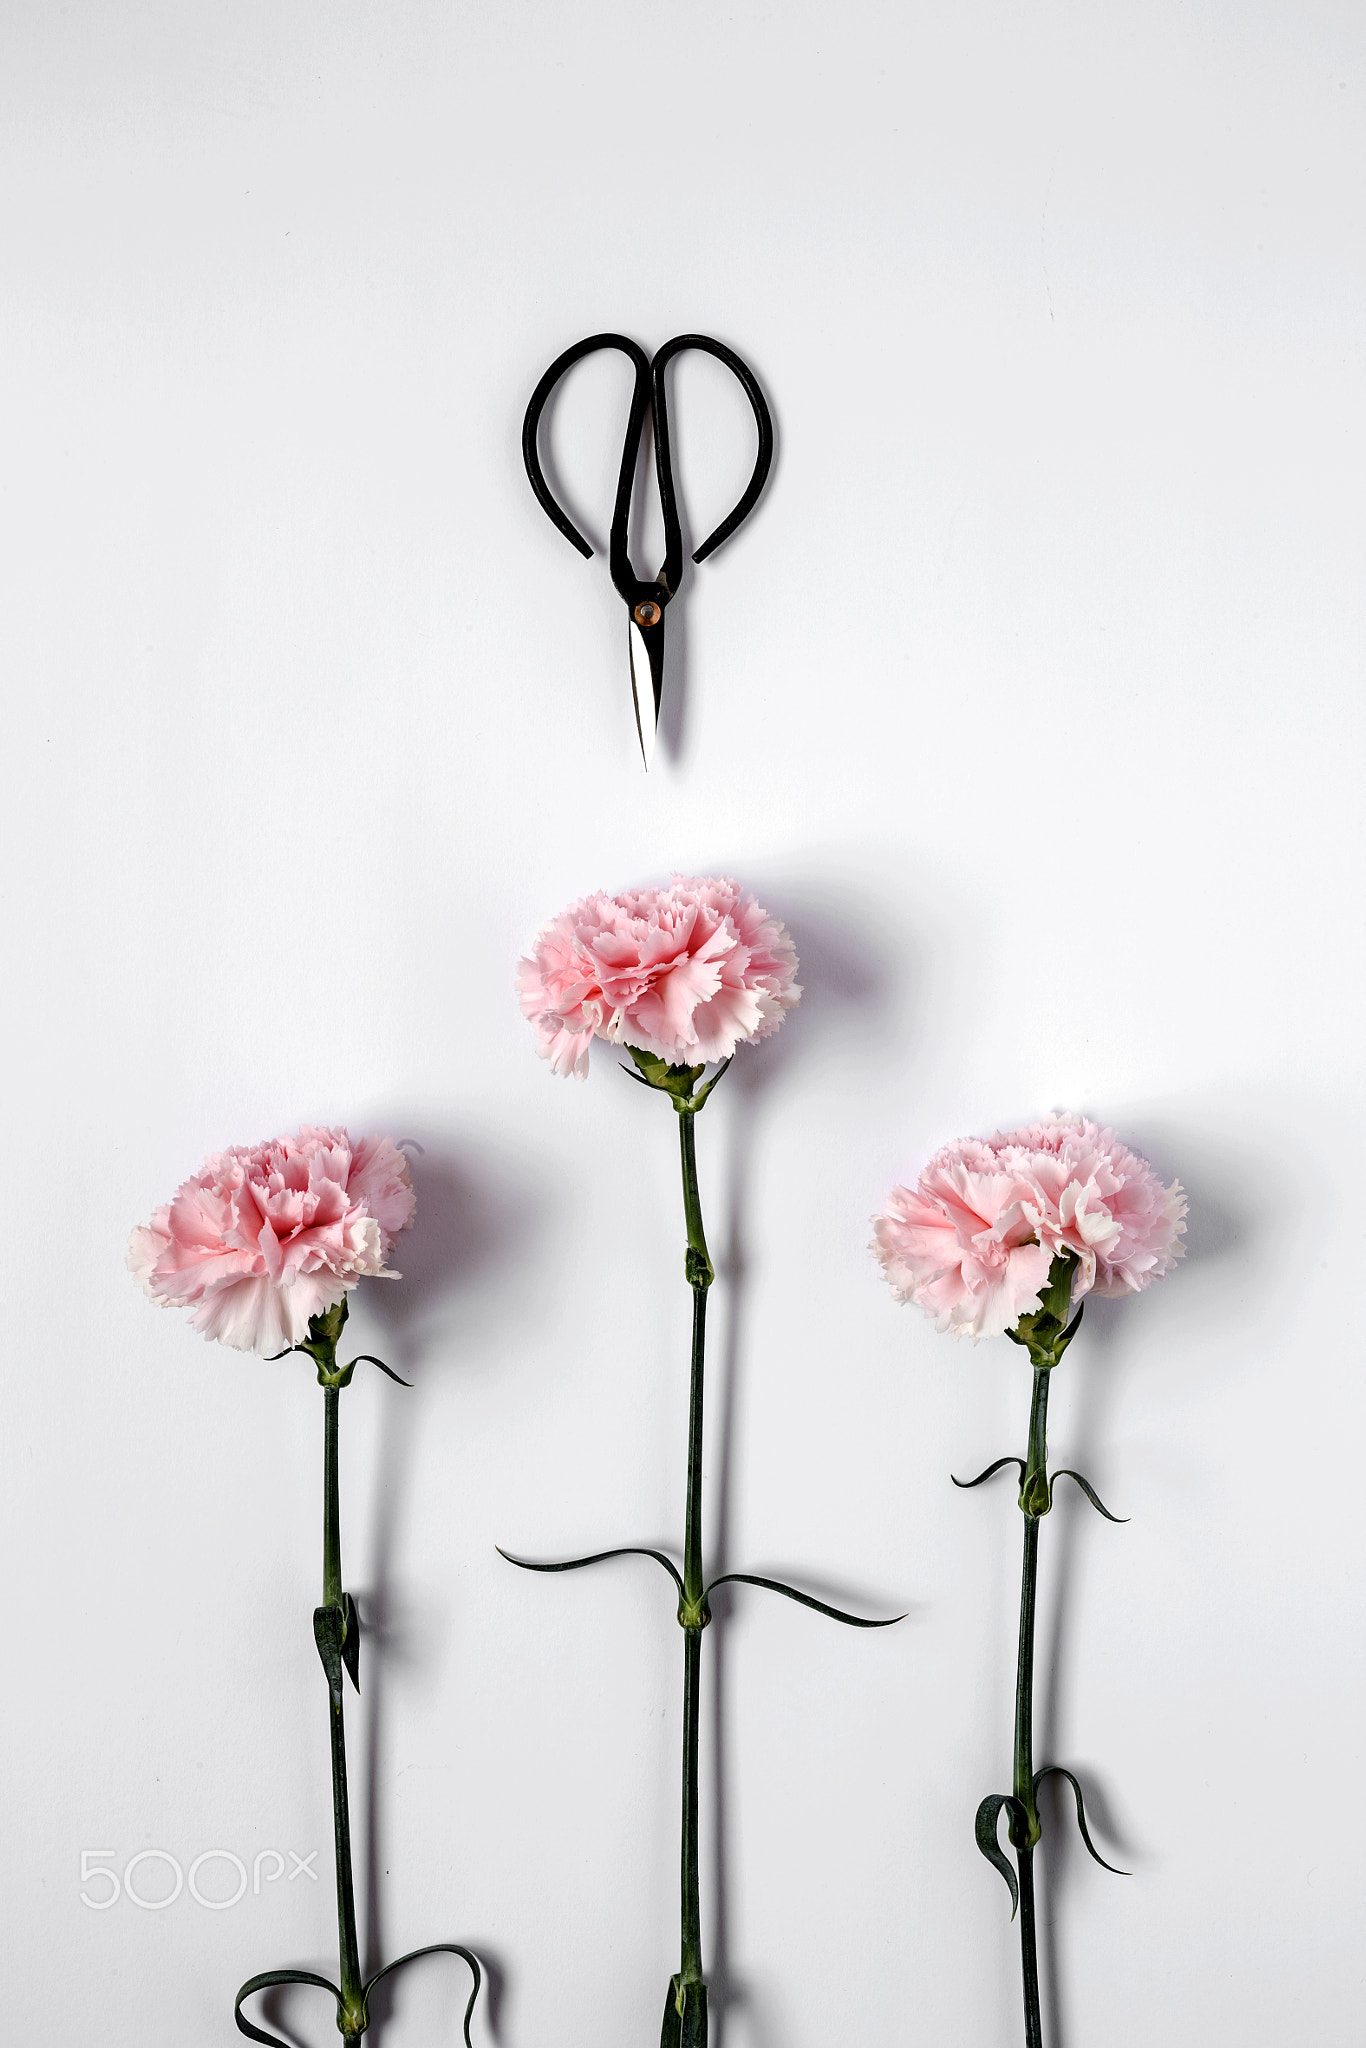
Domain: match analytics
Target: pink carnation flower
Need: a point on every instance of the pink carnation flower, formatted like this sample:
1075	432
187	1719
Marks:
973	1241
264	1237
687	973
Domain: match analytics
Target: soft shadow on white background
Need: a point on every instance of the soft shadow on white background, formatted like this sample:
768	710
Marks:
1029	697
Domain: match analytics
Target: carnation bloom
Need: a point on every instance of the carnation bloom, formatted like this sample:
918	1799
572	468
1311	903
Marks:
687	973
264	1237
973	1241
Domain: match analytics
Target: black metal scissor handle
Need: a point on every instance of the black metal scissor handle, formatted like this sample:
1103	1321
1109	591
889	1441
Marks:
649	392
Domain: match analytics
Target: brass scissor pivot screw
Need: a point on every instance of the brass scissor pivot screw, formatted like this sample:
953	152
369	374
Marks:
648	614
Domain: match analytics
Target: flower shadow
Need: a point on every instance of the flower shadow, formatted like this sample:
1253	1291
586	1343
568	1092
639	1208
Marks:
468	1203
1223	1233
470	1214
845	993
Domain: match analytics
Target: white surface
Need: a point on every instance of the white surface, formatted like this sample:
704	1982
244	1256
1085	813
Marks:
1028	698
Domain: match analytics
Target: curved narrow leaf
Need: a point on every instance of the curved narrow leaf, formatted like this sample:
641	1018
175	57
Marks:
327	1634
988	1841
1059	1770
805	1599
671	2032
574	1564
1070	1332
350	1642
267	1982
1090	1493
967	1485
368	1358
436	1948
703	1092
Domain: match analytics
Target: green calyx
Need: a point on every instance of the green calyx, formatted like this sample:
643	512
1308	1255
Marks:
324	1335
1047	1333
680	1084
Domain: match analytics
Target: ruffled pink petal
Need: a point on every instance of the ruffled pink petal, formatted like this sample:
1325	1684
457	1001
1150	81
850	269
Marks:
687	973
145	1247
973	1243
265	1237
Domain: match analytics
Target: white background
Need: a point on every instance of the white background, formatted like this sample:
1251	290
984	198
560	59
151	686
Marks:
1027	698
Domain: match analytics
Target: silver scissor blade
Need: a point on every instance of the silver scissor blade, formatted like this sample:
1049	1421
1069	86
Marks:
643	691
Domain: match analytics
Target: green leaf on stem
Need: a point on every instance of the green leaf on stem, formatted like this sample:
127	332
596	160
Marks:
988	1841
574	1564
436	1948
804	1599
365	1358
702	1093
967	1484
350	1643
328	1630
1059	1770
267	1981
685	2015
1090	1493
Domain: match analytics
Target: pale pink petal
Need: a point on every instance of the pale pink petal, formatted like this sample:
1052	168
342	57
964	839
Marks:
973	1243
265	1237
687	973
145	1247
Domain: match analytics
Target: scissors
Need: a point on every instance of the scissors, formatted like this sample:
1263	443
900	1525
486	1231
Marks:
646	602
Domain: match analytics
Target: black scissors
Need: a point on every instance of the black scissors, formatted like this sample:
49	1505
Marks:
645	602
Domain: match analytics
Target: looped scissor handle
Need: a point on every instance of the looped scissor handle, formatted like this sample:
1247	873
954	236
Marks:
763	420
640	399
649	392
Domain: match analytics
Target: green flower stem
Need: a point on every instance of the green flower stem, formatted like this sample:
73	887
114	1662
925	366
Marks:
336	1631
1029	1950
352	2020
692	1610
698	1268
332	1579
1033	1503
685	2002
